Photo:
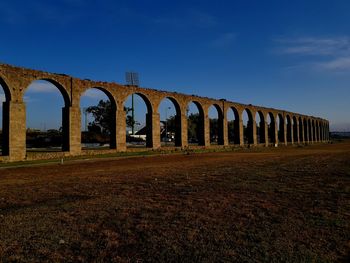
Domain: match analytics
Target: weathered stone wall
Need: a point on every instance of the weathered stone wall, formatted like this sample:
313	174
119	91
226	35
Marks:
295	127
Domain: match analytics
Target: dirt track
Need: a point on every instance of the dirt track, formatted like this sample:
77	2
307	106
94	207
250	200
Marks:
286	204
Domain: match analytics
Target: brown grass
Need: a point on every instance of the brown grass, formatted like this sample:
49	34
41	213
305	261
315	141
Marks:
282	205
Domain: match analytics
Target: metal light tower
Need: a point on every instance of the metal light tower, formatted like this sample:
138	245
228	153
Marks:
132	79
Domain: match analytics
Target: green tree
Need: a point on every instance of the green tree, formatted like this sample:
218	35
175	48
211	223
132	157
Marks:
129	121
193	125
103	114
103	117
231	130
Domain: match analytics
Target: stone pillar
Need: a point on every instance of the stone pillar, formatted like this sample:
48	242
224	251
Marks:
255	137
285	131
224	130
298	133
206	128
266	133
15	132
277	142
291	133
184	131
315	133
153	128
120	128
71	128
241	133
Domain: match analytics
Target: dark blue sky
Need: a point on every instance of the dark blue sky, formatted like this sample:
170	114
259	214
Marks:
293	55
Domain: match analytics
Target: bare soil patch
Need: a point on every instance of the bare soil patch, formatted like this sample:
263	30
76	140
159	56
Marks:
277	205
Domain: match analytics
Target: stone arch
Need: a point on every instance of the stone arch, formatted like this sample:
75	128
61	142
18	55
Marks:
177	119
233	126
260	127
220	122
113	108
248	131
200	125
144	97
5	118
296	138
174	101
5	87
104	90
58	85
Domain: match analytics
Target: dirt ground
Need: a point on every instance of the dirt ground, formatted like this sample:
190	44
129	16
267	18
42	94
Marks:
290	204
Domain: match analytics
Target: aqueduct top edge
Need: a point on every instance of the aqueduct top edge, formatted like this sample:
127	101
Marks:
33	73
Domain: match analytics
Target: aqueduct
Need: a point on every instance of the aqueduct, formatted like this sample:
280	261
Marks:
276	127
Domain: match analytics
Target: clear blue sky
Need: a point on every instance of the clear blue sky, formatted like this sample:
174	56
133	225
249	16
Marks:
293	55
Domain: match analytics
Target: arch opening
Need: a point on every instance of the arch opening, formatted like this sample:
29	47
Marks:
4	118
280	125
271	128
170	122
306	129
47	117
295	129
289	127
216	125
138	120
309	125
260	127
233	125
248	132
301	130
98	122
195	124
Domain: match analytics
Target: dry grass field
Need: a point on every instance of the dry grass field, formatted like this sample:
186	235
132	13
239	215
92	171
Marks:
290	204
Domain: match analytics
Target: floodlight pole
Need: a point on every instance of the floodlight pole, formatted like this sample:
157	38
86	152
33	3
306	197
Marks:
132	115
133	80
